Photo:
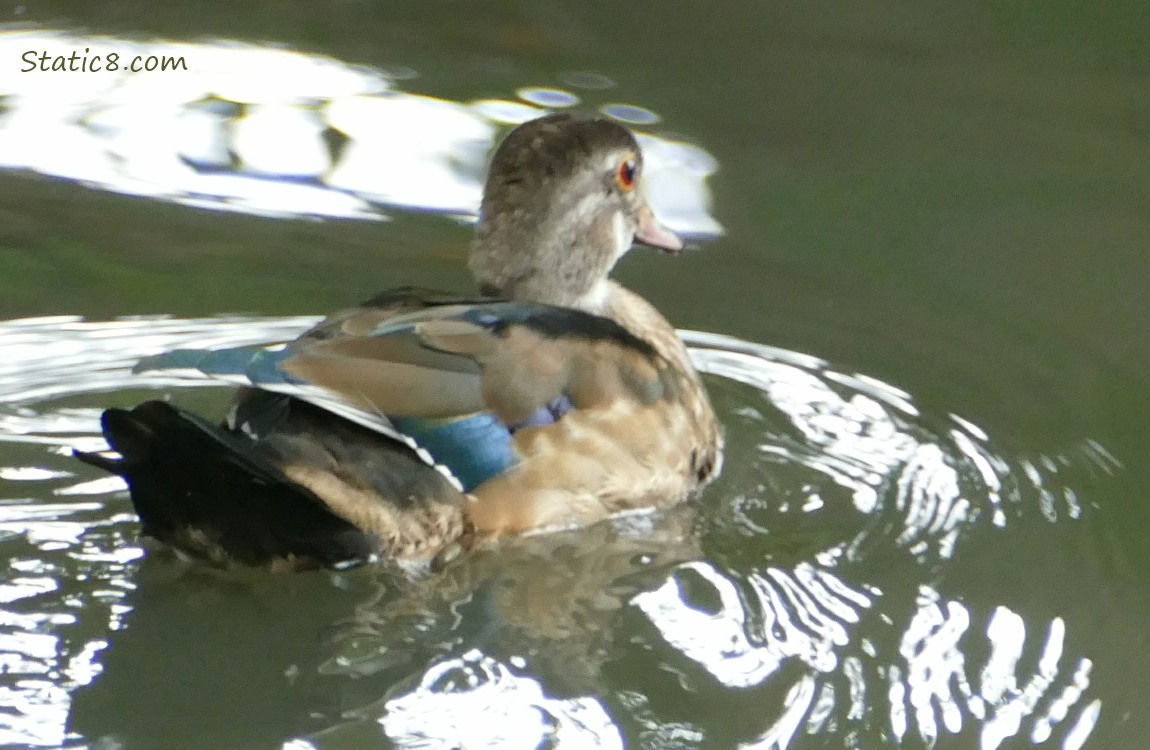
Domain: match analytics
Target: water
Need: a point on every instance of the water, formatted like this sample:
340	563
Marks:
919	270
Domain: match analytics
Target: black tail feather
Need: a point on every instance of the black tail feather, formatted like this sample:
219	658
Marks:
213	495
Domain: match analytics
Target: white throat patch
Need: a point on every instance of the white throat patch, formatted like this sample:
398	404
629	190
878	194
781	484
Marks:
623	235
595	301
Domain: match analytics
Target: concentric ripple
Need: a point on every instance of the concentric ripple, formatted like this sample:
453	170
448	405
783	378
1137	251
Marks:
824	588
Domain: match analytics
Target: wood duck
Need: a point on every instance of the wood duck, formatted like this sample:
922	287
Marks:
419	422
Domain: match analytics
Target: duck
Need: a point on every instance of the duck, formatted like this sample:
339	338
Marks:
420	423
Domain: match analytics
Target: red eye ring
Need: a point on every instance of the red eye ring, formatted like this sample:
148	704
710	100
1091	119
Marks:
626	172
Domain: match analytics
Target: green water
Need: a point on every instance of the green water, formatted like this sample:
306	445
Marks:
949	200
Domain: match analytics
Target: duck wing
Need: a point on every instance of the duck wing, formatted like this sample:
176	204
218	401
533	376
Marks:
460	373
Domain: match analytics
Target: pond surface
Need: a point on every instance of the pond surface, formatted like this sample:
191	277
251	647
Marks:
917	291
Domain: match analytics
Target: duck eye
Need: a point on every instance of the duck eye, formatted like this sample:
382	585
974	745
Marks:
625	174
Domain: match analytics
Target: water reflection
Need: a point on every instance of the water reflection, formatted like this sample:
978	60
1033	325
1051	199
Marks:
811	616
815	602
720	638
867	440
483	700
548	97
272	131
40	611
61	356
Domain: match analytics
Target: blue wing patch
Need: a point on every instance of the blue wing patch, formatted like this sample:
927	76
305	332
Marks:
475	448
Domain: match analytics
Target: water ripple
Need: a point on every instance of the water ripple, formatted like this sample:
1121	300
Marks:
845	502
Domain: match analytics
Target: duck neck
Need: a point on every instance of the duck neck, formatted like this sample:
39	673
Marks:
559	270
594	300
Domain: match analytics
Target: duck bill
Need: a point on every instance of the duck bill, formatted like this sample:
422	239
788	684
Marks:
654	234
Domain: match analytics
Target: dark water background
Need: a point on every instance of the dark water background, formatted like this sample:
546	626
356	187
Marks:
950	200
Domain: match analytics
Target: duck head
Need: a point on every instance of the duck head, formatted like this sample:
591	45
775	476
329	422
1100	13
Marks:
563	202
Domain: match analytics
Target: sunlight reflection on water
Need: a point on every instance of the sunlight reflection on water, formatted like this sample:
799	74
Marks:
479	698
485	701
853	650
273	131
